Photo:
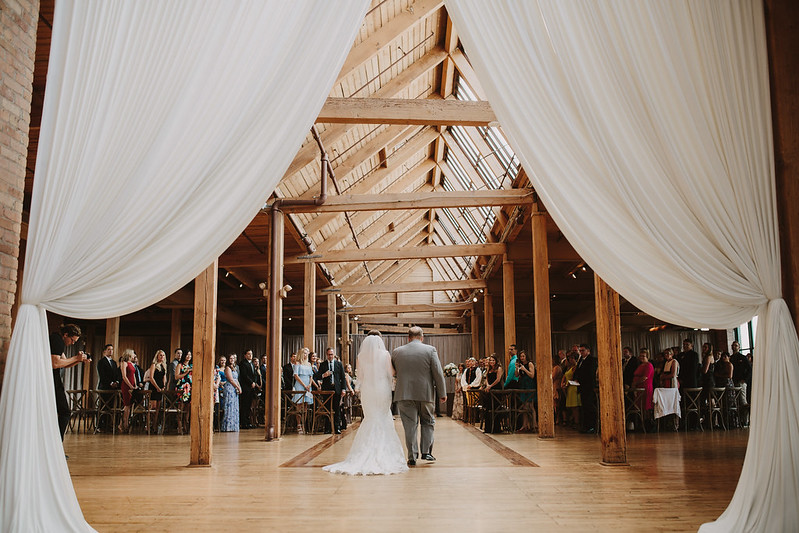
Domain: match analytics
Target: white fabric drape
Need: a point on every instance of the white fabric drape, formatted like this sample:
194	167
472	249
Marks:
166	125
629	116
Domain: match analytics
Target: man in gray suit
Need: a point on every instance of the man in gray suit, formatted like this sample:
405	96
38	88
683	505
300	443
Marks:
419	376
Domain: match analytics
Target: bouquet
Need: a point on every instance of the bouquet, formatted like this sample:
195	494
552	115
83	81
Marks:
451	370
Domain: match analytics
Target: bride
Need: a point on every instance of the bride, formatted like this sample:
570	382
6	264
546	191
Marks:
376	448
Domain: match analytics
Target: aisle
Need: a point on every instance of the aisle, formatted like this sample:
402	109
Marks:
479	483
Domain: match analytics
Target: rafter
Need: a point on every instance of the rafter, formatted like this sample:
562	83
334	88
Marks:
405	287
426	112
410	308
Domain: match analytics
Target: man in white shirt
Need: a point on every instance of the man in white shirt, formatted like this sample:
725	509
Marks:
471	378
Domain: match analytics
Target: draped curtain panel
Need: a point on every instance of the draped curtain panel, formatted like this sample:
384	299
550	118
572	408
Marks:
166	126
646	130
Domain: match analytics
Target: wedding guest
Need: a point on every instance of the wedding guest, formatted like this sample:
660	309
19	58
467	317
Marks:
473	376
585	375
724	371
303	381
493	382
248	389
525	372
689	363
314	360
347	400
573	403
230	396
628	366
264	360
288	373
742	371
671	369
157	381
559	366
707	370
643	379
109	380
128	385
457	400
171	368
219	384
512	377
183	388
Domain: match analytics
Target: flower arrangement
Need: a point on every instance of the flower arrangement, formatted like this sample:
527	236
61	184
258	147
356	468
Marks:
450	370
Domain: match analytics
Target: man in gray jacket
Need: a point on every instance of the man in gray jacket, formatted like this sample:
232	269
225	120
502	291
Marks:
419	376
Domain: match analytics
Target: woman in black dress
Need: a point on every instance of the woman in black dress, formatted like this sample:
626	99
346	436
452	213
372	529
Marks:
157	383
493	381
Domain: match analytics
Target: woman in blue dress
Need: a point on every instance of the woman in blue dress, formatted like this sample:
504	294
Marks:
303	381
230	396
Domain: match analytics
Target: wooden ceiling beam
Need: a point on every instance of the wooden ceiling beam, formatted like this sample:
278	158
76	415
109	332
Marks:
420	252
405	287
396	161
309	152
382	37
409	308
401	329
418	320
416	200
361	218
419	111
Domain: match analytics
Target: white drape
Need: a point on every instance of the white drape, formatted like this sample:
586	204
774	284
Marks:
166	125
629	116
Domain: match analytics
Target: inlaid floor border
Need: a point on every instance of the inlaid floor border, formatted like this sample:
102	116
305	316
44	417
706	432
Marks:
512	456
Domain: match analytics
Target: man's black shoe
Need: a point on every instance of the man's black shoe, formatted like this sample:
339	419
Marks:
338	432
411	462
428	457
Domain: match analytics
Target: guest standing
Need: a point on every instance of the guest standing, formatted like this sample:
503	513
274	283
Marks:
66	336
303	381
157	377
230	396
128	385
671	369
643	379
457	400
573	403
525	372
493	382
585	375
183	388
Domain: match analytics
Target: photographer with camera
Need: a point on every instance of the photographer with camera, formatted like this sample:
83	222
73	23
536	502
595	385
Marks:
67	335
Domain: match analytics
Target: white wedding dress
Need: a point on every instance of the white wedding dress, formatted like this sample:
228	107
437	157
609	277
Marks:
377	448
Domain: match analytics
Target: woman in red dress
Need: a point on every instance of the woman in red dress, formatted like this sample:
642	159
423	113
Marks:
128	384
642	379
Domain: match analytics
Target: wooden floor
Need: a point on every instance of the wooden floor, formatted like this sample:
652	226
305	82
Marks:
675	482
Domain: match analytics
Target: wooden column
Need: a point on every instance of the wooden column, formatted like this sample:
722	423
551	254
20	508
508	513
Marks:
89	366
543	327
275	321
509	308
475	334
175	332
488	311
611	387
309	321
345	338
331	321
202	375
782	19
112	334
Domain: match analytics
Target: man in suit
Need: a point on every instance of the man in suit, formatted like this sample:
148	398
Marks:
628	366
247	380
585	375
690	363
331	375
108	370
419	376
288	372
170	369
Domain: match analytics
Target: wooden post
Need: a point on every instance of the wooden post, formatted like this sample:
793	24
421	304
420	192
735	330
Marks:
174	335
202	375
488	311
475	323
275	321
345	339
782	42
611	387
331	321
89	366
509	308
543	327
309	321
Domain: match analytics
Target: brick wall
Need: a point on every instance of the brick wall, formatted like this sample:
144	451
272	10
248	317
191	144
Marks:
18	22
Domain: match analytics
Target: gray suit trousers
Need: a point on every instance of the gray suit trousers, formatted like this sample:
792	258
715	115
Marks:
412	413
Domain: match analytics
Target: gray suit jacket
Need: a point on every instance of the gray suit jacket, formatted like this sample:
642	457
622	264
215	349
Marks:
418	370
